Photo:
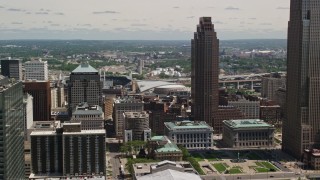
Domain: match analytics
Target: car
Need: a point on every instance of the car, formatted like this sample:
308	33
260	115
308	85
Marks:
271	176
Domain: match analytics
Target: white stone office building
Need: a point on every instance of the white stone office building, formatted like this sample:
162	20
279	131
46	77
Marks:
247	133
91	117
136	126
190	134
270	86
36	70
120	106
250	109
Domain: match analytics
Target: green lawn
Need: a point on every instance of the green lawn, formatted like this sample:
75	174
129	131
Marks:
267	165
261	169
234	171
197	156
220	167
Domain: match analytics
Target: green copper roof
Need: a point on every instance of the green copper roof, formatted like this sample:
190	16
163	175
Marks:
85	68
187	125
168	147
247	123
158	138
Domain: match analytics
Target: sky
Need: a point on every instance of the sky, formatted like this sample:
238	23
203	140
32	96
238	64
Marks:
141	19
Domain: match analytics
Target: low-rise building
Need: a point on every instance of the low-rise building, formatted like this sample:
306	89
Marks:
271	114
250	109
91	117
190	134
311	158
136	126
162	148
248	133
142	169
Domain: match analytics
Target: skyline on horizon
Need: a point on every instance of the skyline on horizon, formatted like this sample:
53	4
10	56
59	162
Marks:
141	20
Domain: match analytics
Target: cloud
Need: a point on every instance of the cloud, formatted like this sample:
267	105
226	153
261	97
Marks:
283	8
59	14
28	13
176	7
252	18
84	25
42	13
55	25
105	12
217	22
138	24
1	7
16	23
232	8
190	17
266	24
15	10
48	10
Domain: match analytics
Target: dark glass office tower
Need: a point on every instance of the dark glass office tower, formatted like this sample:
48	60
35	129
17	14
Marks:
11	130
11	68
84	86
205	71
301	127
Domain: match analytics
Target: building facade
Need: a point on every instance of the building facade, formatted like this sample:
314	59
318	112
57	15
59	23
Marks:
124	105
84	86
136	126
301	127
67	151
11	68
250	109
270	85
162	148
246	133
36	70
91	117
190	134
205	71
84	151
28	114
11	129
46	151
41	93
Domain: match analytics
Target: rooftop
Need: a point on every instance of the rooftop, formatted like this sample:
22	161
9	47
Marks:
85	109
168	147
142	114
187	125
170	175
84	68
85	132
247	123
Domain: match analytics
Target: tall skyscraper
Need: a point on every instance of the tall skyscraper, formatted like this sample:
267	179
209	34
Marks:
36	70
41	93
205	71
84	86
301	128
11	68
11	130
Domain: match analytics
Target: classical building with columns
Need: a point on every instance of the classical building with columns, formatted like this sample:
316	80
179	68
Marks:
247	133
190	134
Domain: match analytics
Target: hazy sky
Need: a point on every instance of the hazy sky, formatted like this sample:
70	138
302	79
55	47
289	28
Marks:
141	19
